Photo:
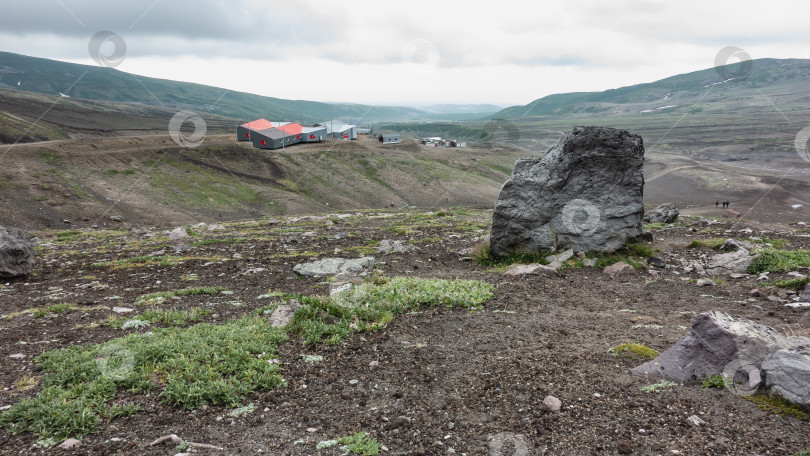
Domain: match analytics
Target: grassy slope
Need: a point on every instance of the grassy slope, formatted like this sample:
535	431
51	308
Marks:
679	89
99	83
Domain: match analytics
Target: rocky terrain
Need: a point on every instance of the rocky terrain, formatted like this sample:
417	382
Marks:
521	364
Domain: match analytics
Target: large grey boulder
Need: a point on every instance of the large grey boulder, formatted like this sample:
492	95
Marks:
787	372
717	343
335	267
665	213
585	194
16	252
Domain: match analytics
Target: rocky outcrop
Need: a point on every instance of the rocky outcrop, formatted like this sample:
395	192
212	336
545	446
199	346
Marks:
730	263
787	372
665	213
717	343
585	194
387	246
335	267
16	253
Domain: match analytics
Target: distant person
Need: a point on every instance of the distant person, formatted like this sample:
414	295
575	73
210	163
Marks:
716	203
728	203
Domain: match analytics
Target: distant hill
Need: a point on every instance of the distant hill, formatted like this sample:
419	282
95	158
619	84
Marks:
53	77
705	89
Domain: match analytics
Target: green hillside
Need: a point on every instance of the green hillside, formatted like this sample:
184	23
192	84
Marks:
682	89
100	83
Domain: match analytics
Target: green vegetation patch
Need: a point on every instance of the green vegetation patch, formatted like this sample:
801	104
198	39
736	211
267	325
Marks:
360	443
146	260
174	317
162	296
792	284
371	305
658	387
775	260
714	381
54	309
634	351
190	367
778	405
712	243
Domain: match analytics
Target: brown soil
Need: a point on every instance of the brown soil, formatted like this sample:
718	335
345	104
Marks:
447	380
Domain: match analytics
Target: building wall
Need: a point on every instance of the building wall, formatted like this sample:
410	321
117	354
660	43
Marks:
242	133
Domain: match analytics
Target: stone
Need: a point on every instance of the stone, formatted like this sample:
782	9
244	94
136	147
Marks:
335	266
714	341
561	257
17	356
216	227
729	263
805	294
624	447
16	253
386	246
705	282
737	275
733	245
617	269
584	194
589	262
787	372
551	404
703	221
732	214
283	314
754	292
695	420
116	218
524	269
665	213
121	310
656	262
178	233
69	444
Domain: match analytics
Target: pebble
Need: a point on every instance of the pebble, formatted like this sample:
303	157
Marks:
311	430
17	356
374	363
354	381
695	420
69	444
552	404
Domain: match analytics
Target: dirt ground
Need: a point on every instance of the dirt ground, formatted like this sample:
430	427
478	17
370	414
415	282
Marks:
434	382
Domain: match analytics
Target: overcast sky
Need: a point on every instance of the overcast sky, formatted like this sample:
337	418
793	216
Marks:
412	52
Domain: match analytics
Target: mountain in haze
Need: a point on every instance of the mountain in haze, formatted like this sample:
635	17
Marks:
461	108
787	80
53	77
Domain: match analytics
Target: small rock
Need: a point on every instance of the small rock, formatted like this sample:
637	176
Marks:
737	275
656	262
374	363
116	218
618	269
284	313
581	255
236	256
121	310
311	430
695	420
69	444
589	262
534	268
625	447
17	356
354	382
178	233
754	292
551	404
705	283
